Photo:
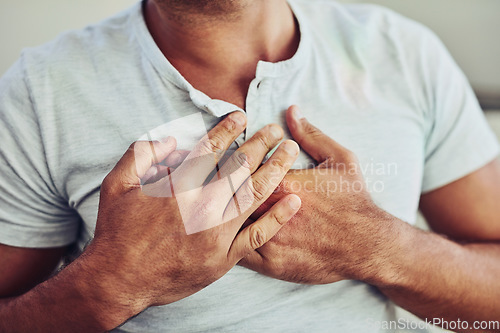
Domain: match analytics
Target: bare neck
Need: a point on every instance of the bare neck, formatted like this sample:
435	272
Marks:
224	48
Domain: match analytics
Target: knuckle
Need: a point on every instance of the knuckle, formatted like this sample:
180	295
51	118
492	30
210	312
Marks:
278	217
244	200
259	188
329	162
264	140
215	143
242	160
257	237
311	130
230	124
310	133
279	164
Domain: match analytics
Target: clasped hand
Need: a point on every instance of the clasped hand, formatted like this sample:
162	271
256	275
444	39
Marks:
160	239
339	233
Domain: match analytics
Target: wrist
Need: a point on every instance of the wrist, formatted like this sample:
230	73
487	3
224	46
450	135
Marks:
406	253
389	243
101	291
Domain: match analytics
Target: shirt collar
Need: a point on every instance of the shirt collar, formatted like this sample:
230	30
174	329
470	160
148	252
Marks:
216	107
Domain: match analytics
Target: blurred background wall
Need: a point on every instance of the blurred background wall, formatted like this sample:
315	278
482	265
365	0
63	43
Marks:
33	22
470	29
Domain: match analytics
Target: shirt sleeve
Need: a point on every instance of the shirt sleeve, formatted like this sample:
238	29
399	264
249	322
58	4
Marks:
32	213
458	137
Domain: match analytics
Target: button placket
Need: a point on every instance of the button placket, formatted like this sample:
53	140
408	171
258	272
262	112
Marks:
253	107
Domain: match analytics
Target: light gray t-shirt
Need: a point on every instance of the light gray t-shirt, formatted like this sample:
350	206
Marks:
379	84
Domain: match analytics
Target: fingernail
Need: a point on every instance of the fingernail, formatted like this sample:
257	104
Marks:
291	147
239	118
276	132
294	202
297	114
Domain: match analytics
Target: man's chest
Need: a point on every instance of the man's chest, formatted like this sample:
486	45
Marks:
387	139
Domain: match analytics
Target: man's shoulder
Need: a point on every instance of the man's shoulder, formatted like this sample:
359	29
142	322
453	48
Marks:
361	17
362	13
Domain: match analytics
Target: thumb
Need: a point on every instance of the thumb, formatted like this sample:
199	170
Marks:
139	158
314	142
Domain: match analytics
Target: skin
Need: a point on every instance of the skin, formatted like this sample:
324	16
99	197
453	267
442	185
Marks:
433	276
426	273
251	31
209	10
145	251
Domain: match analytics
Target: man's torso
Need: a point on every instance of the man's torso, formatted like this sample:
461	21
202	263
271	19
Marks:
110	85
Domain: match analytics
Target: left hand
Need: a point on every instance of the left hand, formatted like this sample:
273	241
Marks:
339	233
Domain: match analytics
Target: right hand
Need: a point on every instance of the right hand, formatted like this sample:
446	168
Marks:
158	248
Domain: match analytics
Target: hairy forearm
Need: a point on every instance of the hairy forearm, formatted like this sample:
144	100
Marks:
79	299
434	277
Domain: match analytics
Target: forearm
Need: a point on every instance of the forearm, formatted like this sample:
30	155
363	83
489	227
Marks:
79	299
433	277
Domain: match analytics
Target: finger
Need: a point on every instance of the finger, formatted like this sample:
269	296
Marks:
262	183
314	142
262	209
246	160
176	158
203	159
138	159
254	150
262	230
